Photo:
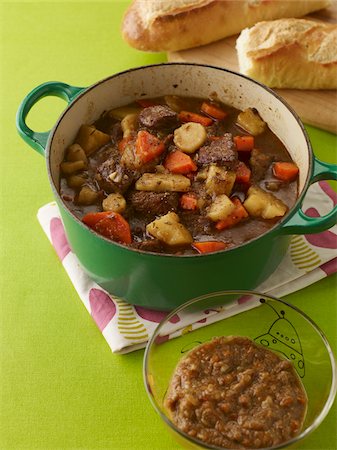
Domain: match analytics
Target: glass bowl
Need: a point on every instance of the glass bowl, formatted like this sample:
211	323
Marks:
268	321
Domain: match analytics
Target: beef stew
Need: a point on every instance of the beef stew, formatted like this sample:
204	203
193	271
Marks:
178	175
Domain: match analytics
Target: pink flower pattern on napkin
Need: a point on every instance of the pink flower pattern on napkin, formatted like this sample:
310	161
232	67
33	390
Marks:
325	239
102	307
58	238
154	315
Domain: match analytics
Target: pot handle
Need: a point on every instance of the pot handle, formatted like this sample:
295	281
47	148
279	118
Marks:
303	224
37	140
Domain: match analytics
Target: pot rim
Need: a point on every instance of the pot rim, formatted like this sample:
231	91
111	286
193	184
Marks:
272	230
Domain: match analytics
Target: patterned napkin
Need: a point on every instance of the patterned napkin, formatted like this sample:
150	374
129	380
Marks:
127	328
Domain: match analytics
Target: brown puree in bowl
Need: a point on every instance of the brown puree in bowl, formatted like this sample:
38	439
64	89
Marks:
233	393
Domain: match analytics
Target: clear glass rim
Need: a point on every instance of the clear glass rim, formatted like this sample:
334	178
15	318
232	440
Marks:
319	419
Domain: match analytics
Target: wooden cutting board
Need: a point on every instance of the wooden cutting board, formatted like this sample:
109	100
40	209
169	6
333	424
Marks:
317	108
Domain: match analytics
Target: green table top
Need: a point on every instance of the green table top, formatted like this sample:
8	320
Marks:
61	387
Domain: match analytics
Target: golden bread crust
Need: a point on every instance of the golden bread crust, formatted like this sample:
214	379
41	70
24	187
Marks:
161	25
290	53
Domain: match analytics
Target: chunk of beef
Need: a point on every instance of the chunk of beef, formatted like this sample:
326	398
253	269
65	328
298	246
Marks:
107	124
259	162
154	203
222	151
113	177
158	117
195	223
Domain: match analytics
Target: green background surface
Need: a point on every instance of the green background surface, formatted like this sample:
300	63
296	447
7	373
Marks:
61	387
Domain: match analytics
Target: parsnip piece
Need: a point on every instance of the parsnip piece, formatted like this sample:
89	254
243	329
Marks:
168	229
163	182
190	136
129	124
114	202
87	196
76	153
260	203
75	181
219	180
221	208
91	139
68	168
123	111
250	121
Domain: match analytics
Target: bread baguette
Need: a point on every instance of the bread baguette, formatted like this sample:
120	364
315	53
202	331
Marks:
290	53
170	25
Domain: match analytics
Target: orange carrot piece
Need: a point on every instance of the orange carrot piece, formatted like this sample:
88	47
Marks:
148	146
244	143
235	217
91	219
209	246
285	171
186	116
109	224
243	173
214	111
179	162
189	201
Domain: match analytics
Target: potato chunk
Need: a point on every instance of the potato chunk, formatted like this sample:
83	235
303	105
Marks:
250	121
68	168
91	139
168	229
190	136
221	208
114	202
76	153
219	180
87	196
163	182
123	111
76	181
175	102
260	203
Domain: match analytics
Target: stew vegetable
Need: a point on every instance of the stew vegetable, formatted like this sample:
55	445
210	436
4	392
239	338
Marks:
178	175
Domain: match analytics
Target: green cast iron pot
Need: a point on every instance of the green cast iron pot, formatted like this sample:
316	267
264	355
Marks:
166	281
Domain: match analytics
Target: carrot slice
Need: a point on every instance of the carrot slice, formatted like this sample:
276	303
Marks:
148	146
109	224
244	143
209	246
189	201
179	162
186	116
214	111
243	173
285	171
91	219
235	217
